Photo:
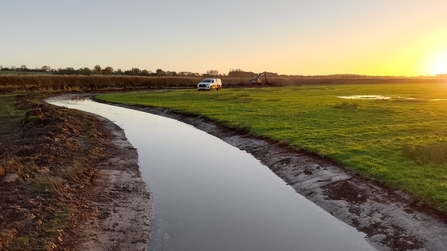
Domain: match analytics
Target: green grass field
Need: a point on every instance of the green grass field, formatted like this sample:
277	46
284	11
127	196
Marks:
400	141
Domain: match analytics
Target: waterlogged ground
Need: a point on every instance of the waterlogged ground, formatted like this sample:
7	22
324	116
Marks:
209	195
381	97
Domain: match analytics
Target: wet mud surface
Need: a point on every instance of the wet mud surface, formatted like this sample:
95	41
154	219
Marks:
390	219
123	209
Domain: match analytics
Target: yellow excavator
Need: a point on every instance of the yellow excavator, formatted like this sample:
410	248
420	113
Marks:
258	78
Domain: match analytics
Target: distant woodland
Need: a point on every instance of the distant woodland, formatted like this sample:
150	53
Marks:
234	73
108	79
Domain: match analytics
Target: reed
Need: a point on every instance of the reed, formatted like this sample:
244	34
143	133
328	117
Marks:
85	83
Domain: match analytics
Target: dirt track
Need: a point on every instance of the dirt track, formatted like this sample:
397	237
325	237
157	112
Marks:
391	219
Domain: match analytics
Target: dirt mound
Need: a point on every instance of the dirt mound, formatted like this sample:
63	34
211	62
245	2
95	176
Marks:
47	170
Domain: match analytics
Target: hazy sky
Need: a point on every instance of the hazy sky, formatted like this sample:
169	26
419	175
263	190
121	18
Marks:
303	37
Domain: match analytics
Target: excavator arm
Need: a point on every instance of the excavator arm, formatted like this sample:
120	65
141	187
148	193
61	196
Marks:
258	79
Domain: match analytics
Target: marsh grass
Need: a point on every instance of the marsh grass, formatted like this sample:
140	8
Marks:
75	171
394	142
10	115
347	105
243	100
81	83
76	83
48	185
20	243
435	153
58	216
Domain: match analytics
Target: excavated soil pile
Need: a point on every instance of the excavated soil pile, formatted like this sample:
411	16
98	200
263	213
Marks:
50	184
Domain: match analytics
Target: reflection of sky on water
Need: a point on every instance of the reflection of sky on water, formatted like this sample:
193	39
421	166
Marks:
381	97
209	195
364	97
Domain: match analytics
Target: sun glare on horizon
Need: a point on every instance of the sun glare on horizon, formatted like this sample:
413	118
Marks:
436	53
439	64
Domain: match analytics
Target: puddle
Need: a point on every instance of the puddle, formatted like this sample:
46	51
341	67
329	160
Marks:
381	97
209	195
364	97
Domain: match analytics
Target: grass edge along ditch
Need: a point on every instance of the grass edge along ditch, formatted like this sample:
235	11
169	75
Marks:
400	141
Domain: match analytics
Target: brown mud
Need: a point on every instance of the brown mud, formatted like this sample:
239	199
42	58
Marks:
70	181
391	219
123	208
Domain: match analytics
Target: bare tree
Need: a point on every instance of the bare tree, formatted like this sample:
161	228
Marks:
212	72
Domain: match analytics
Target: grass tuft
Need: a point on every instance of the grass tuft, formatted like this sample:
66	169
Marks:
347	105
47	185
426	154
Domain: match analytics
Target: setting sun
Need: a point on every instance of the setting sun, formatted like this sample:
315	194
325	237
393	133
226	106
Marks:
435	56
439	65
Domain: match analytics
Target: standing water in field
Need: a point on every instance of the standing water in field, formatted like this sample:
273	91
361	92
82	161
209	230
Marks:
208	195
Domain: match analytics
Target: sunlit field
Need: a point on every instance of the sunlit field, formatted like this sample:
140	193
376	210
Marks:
398	137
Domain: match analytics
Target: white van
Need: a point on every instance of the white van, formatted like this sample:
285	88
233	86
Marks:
208	84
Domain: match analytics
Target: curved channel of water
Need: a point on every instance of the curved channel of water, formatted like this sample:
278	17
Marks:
208	195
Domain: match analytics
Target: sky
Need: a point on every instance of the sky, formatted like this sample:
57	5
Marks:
294	37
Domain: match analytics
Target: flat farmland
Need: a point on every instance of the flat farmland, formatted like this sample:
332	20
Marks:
393	133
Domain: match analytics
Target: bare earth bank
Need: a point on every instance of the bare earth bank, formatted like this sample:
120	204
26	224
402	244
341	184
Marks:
123	212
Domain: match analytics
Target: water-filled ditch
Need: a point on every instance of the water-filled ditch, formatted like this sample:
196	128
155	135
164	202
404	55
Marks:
208	195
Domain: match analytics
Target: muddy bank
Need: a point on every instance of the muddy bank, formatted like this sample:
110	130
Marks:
391	219
123	208
61	168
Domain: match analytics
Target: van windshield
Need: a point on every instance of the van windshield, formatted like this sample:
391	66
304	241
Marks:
206	81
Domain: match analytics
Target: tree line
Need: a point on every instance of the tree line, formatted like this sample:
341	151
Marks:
98	70
235	73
